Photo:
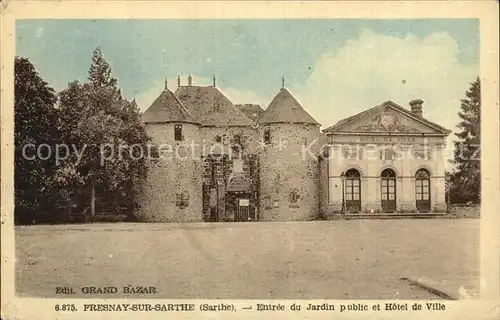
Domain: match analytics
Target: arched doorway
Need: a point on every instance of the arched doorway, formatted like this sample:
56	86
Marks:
388	189
353	190
422	191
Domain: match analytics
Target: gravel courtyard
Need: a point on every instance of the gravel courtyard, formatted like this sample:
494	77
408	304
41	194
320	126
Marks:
357	259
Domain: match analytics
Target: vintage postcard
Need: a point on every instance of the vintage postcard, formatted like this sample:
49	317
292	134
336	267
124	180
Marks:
308	160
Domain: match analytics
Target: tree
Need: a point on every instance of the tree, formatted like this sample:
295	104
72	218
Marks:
35	128
100	71
466	178
96	118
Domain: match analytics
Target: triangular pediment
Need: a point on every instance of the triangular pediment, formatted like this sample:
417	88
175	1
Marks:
388	117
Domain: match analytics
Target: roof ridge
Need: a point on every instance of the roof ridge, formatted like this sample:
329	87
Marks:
211	106
179	101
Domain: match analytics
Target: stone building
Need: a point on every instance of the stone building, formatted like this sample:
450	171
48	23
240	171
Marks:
385	159
216	161
289	177
174	183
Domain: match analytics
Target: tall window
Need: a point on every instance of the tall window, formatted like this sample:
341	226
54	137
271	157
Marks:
388	189
178	132
353	190
422	192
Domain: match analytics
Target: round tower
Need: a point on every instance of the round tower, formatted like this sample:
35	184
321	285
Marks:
173	187
289	170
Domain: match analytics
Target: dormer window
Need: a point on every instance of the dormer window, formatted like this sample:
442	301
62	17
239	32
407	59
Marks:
178	132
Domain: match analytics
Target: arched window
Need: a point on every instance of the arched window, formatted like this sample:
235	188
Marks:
388	174
422	174
422	190
353	190
388	190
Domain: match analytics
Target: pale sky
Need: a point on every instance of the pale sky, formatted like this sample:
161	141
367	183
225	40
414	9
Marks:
336	68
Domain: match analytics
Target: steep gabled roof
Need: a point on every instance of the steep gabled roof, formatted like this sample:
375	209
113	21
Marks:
210	107
284	108
252	111
340	124
167	108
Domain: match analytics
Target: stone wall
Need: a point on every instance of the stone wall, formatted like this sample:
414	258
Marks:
173	188
466	210
289	173
284	175
323	187
220	139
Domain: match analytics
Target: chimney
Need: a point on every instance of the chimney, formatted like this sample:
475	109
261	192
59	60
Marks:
178	81
166	84
416	107
190	80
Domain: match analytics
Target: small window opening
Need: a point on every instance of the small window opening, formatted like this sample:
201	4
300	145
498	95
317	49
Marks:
178	132
267	136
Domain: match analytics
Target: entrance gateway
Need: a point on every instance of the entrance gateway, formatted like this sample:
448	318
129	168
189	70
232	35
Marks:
240	207
242	212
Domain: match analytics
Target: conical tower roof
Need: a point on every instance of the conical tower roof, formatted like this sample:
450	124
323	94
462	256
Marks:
167	108
284	108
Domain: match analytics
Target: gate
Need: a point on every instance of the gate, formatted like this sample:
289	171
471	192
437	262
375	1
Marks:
242	212
388	188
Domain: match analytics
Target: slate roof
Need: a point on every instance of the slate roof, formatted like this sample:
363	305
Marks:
210	107
252	111
167	108
338	126
284	108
